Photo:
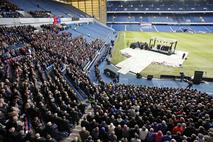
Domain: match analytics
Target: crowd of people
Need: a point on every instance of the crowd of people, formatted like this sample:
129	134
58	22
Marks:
75	50
40	14
36	104
9	10
148	114
164	47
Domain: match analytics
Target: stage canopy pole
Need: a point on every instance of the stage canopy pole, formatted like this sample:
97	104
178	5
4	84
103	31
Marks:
175	46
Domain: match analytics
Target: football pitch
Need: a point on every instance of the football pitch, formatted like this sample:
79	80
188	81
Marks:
199	47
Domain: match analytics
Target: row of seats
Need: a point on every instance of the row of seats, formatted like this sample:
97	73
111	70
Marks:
178	18
161	28
56	8
91	31
159	5
38	8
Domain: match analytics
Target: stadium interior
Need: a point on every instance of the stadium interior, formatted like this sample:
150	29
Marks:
106	71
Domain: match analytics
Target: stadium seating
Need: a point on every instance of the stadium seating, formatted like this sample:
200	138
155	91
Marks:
56	8
130	113
163	28
168	18
57	83
45	90
91	31
36	59
118	27
133	27
208	18
209	28
159	6
183	13
8	10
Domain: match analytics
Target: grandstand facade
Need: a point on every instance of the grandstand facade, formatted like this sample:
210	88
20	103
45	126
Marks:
94	8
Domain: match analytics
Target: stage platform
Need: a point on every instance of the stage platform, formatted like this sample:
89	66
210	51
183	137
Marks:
139	59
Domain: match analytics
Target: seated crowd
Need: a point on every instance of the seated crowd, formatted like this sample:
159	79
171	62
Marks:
39	14
75	50
8	10
36	102
142	114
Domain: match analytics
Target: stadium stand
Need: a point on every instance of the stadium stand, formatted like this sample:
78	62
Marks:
130	113
49	7
178	18
183	13
164	5
91	31
163	28
43	86
9	10
36	66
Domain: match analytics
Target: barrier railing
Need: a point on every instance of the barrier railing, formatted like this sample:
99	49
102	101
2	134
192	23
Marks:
39	21
168	11
162	23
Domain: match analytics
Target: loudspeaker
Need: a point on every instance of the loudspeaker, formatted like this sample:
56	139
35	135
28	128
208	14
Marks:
138	75
110	73
133	45
149	77
198	76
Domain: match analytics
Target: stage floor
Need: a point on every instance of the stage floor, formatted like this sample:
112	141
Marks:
139	59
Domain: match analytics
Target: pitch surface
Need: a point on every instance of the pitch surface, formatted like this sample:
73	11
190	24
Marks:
199	47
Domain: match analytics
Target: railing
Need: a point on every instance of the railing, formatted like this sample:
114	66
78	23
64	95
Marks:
97	56
38	21
158	11
162	23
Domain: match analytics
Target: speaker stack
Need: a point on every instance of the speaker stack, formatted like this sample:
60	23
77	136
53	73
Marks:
149	77
198	76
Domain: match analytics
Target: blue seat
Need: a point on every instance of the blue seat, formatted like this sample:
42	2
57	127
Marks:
56	8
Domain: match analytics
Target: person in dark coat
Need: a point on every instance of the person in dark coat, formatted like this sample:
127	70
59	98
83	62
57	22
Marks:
84	134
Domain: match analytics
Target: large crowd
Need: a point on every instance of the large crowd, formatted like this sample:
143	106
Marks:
9	10
40	13
148	114
37	103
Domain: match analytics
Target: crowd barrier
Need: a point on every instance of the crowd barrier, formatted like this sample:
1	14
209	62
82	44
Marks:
40	21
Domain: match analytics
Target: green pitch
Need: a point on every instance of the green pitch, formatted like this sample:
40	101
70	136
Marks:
199	47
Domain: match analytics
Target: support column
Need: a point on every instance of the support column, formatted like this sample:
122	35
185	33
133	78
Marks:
92	8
